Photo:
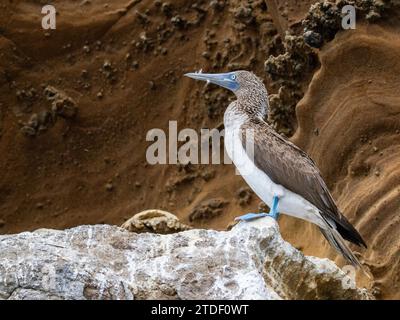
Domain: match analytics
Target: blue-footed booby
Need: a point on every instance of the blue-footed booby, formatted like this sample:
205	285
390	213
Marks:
279	172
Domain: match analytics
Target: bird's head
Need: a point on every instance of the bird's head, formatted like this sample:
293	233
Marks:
235	81
244	84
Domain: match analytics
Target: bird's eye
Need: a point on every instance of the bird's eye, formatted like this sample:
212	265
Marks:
233	77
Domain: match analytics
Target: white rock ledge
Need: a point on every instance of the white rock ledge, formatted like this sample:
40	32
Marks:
251	261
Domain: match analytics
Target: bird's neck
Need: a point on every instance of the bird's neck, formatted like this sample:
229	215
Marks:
243	110
254	103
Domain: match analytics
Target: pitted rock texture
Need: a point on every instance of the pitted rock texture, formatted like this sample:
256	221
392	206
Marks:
251	261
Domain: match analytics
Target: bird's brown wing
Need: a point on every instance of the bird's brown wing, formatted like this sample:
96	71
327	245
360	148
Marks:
289	166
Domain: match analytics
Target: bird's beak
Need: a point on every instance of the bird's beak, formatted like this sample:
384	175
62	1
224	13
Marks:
225	80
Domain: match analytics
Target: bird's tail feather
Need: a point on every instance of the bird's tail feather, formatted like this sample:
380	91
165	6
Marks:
337	241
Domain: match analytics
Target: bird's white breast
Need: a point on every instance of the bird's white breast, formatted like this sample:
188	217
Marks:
289	202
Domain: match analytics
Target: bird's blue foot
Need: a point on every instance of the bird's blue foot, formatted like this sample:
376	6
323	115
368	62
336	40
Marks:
252	216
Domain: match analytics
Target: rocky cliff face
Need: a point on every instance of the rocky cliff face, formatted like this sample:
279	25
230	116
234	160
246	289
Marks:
251	261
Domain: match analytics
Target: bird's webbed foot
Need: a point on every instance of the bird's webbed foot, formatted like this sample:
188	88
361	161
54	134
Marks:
252	216
273	213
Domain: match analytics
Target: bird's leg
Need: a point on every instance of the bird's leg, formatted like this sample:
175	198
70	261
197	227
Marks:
273	212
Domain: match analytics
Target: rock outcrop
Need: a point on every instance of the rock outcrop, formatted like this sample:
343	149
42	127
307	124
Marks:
154	220
251	261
